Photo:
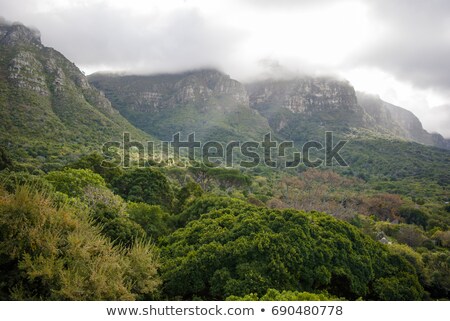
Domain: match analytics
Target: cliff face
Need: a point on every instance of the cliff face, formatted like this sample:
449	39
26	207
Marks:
399	121
46	102
303	108
214	106
159	92
17	34
305	96
206	102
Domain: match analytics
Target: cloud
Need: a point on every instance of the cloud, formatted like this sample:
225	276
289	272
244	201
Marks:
105	36
437	119
413	43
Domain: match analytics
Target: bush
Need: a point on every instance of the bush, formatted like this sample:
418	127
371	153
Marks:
48	253
275	295
145	185
414	216
73	181
152	218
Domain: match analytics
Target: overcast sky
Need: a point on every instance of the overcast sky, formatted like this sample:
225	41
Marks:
398	49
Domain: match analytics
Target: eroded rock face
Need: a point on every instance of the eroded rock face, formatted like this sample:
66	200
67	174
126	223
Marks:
399	121
17	34
202	88
305	95
28	73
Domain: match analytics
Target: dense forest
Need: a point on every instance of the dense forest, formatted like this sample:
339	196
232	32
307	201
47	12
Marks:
88	232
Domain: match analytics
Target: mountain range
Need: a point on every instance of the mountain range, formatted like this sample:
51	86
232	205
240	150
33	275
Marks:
51	111
216	107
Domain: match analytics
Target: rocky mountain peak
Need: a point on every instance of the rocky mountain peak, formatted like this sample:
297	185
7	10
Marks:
16	33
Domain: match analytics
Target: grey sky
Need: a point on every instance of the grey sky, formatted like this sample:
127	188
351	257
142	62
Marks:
396	48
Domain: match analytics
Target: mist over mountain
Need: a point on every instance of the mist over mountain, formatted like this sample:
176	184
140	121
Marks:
45	97
207	102
217	107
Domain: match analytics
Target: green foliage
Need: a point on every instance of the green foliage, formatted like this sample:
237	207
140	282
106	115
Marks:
5	159
397	160
414	216
228	178
73	181
124	231
437	270
204	205
146	185
152	218
402	287
96	163
109	211
275	295
187	194
240	249
48	253
11	180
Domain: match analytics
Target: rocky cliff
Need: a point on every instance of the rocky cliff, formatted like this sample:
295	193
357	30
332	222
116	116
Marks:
399	121
304	95
302	108
206	102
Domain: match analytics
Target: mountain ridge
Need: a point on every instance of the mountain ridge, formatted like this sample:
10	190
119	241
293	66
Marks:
298	109
48	108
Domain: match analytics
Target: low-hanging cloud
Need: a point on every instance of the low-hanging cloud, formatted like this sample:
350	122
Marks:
102	36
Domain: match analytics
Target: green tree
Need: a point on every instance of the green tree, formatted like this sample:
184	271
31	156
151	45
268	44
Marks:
234	248
275	295
152	218
109	211
414	216
73	181
96	163
187	194
5	159
146	185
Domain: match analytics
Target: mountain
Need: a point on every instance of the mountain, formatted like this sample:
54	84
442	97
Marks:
206	102
304	108
48	109
216	107
399	121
